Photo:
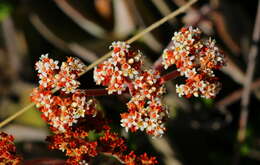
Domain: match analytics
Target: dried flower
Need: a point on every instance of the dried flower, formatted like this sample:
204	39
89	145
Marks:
80	149
8	155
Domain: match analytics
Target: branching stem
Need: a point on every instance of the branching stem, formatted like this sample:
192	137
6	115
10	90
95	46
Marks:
103	92
131	40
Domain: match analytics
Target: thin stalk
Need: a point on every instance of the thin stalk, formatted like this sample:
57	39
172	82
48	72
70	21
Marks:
15	115
115	156
131	40
145	31
96	92
171	75
245	100
103	92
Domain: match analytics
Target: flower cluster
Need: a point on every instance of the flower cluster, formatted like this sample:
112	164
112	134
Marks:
8	154
75	144
149	116
124	70
112	144
148	84
146	111
80	149
64	77
72	115
195	59
116	72
63	110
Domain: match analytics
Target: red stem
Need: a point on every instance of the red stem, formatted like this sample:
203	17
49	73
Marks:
103	92
158	66
171	75
44	161
96	92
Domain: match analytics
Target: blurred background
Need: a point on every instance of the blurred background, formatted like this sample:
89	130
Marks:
200	131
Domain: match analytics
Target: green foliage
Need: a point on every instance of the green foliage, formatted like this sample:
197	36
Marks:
93	136
245	149
247	146
208	102
5	10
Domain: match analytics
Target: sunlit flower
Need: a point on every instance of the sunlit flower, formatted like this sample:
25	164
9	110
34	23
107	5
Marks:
116	72
195	59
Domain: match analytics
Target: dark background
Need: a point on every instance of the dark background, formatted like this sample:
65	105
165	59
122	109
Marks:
200	131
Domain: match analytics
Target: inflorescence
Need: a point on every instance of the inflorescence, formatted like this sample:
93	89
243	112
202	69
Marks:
61	111
124	71
72	113
8	155
195	59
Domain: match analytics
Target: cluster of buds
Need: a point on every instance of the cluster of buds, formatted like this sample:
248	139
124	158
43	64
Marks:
8	155
124	70
64	110
80	149
75	144
195	59
112	144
